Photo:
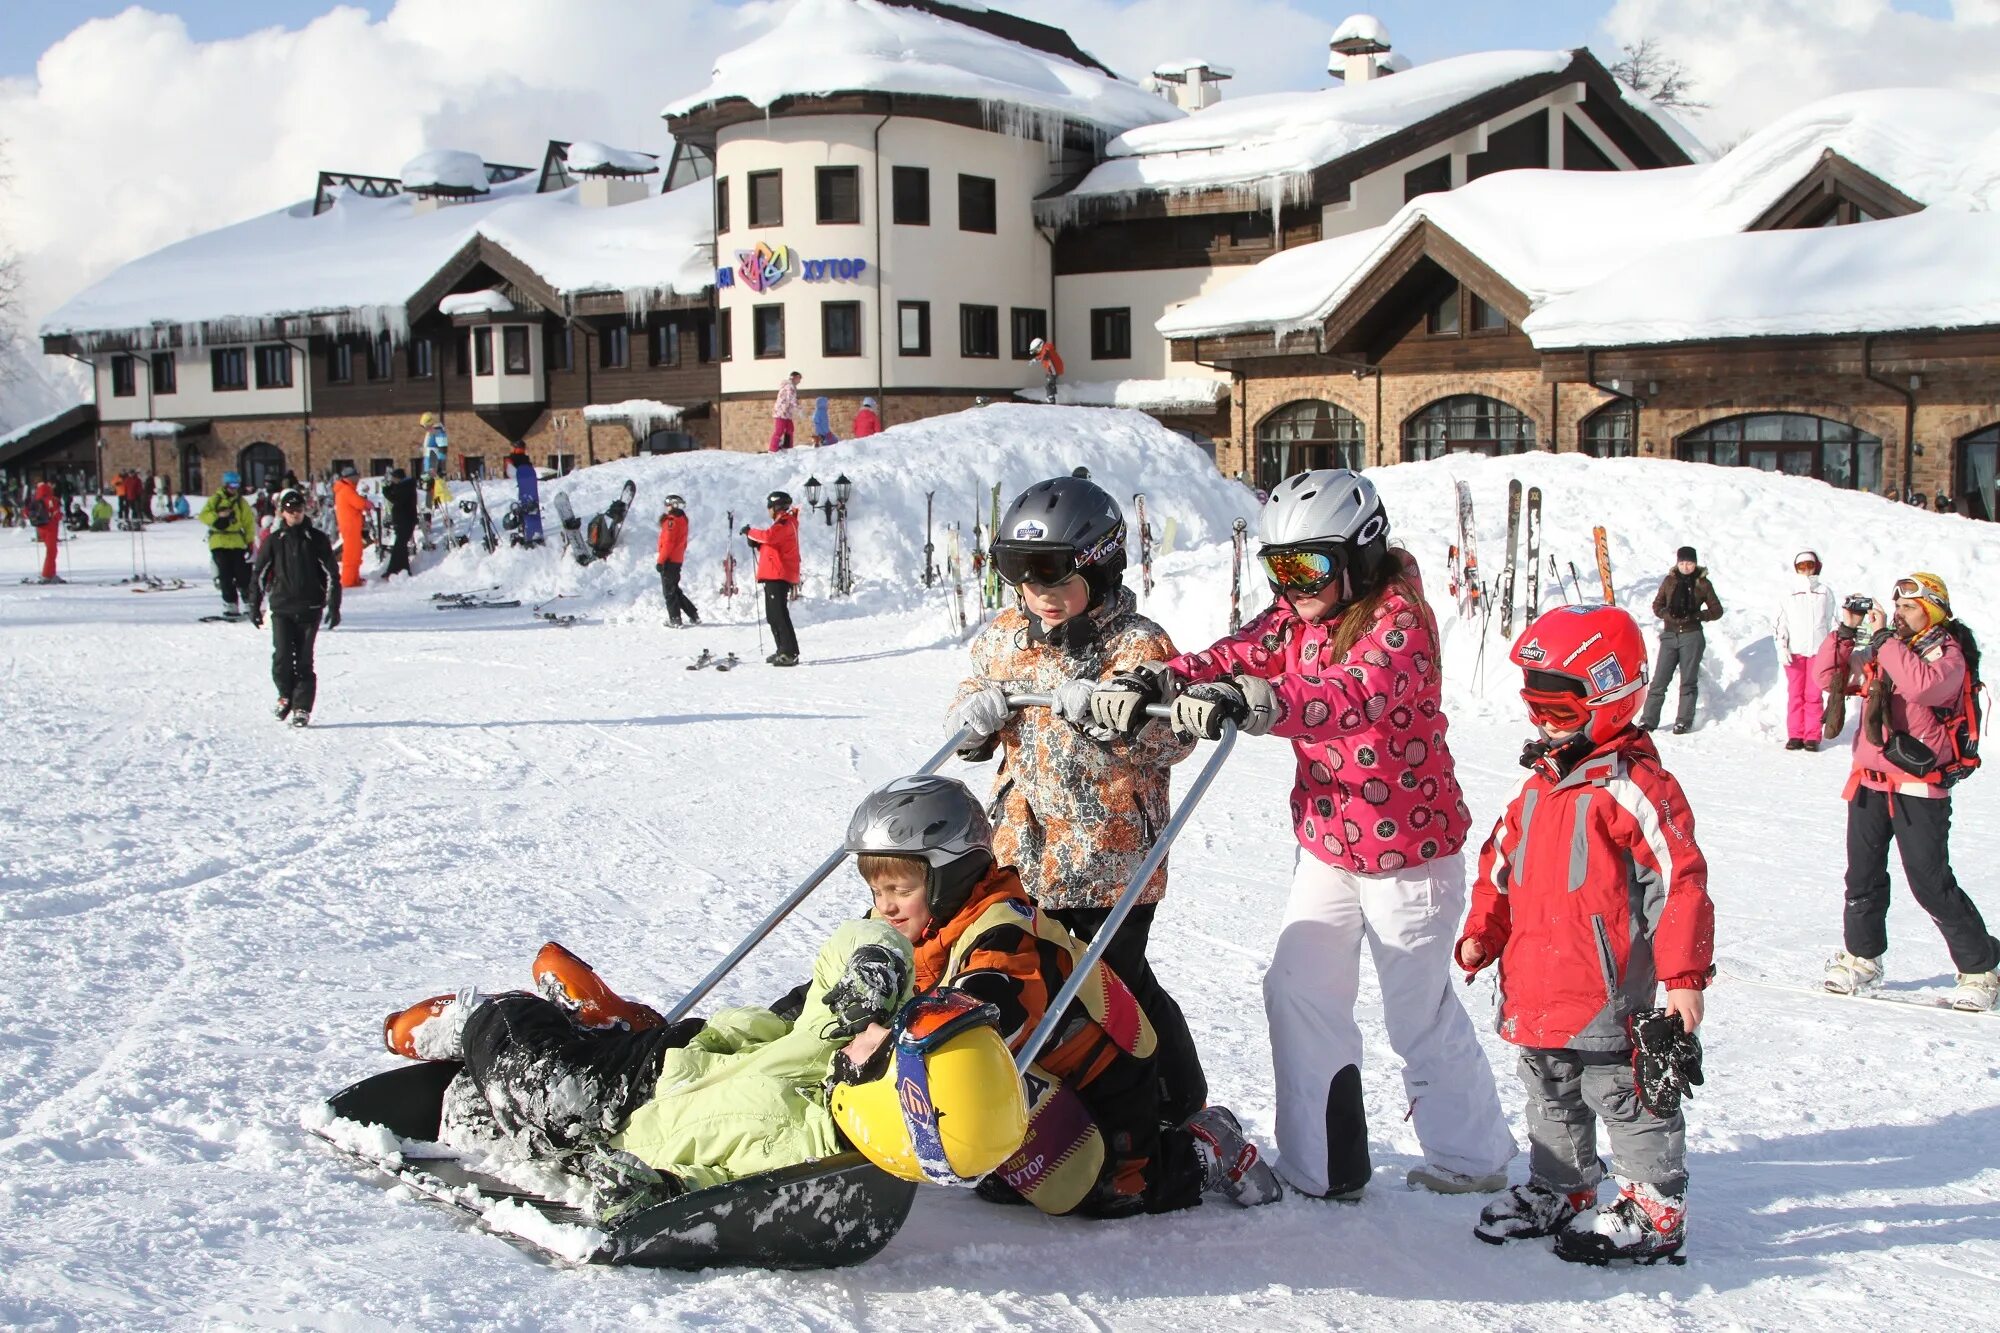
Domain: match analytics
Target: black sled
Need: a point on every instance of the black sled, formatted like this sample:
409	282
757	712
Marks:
824	1214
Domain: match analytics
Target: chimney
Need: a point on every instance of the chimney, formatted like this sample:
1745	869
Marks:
1191	84
610	191
1356	43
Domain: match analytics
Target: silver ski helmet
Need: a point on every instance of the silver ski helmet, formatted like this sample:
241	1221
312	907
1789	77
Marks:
936	820
1059	527
1330	519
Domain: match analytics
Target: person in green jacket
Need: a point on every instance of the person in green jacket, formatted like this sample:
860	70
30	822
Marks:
232	526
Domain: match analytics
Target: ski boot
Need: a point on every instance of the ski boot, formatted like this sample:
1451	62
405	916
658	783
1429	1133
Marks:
1444	1180
301	718
570	984
1530	1210
785	660
1643	1225
1233	1166
431	1029
1847	974
283	710
1977	993
620	1184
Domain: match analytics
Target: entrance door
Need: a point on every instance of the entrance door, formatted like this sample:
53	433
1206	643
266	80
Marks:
262	466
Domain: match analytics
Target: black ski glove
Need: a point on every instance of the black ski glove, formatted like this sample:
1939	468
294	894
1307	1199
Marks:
256	615
333	615
225	519
1666	1060
867	992
744	530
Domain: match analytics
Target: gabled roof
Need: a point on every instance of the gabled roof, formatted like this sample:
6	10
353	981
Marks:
1026	77
53	430
1292	146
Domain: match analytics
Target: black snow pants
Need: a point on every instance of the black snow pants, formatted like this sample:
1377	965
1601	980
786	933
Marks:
678	604
557	1085
1921	829
1183	1085
778	614
399	551
232	569
292	636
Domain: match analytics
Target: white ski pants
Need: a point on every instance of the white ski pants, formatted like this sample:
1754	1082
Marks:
1410	919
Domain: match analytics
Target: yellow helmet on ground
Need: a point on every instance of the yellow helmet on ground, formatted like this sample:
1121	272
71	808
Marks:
949	1107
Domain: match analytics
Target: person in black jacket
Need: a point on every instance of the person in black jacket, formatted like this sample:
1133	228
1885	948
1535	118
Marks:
1685	602
297	570
400	491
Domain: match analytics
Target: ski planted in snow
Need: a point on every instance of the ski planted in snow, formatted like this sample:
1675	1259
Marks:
1507	559
1468	579
1603	564
1145	547
978	553
930	548
492	534
1575	582
992	586
728	588
1533	606
953	568
1239	541
1555	577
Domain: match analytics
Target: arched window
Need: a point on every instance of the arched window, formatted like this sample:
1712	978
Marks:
262	466
1467	423
1978	470
1789	442
1611	431
1301	436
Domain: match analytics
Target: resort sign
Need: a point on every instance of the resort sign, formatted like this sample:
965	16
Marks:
768	265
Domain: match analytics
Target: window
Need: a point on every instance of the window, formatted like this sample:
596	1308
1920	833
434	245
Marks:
767	330
1443	316
912	189
1301	436
379	467
559	349
1978	485
262	466
979	330
562	464
1610	431
416	466
1487	317
274	366
721	204
1429	178
1467	423
461	353
1111	334
663	348
725	335
977	210
380	366
514	348
837	195
419	359
1793	443
1027	325
472	466
163	373
704	337
913	328
614	348
767	198
339	466
840	328
228	369
482	350
1248	230
121	377
340	362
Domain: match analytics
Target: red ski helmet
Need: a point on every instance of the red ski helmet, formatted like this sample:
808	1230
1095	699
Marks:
1590	659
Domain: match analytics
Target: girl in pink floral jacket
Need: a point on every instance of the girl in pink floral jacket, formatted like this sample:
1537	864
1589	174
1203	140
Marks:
1345	666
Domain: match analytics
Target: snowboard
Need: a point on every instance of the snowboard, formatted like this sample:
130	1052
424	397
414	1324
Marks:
601	535
1507	559
1468	555
1533	606
572	529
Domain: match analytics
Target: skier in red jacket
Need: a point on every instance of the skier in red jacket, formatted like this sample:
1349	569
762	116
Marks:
778	569
44	505
672	553
1591	894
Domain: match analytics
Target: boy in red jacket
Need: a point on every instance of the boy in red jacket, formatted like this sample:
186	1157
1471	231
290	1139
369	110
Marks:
1591	894
672	553
777	570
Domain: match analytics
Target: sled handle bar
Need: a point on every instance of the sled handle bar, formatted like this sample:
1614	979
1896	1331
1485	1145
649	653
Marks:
1049	701
793	899
1052	1017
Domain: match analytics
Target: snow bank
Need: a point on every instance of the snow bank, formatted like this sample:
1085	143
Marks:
1186	393
822	47
445	171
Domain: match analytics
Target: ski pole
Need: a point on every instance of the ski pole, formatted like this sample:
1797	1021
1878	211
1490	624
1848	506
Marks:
791	901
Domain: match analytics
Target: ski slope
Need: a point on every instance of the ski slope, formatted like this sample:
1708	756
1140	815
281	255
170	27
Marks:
207	914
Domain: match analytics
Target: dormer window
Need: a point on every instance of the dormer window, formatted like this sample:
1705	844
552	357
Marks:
1443	316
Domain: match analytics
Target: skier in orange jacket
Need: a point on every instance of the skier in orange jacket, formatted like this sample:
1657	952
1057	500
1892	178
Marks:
349	507
1046	356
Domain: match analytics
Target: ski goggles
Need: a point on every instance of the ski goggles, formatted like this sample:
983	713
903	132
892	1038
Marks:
1046	565
1554	701
1300	569
925	1023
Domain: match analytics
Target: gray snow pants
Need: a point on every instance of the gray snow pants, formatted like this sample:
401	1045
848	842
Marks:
1568	1093
1679	650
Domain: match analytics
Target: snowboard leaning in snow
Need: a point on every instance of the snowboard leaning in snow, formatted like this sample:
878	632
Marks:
601	534
572	529
826	1214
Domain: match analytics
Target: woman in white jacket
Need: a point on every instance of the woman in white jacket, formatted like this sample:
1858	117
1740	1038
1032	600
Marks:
1803	621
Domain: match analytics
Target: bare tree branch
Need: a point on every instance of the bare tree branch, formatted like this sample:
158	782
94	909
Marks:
1649	70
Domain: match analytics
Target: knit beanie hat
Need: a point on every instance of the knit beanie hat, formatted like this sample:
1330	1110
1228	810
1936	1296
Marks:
1685	553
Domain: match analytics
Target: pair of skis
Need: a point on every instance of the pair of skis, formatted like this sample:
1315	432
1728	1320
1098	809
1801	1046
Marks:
705	659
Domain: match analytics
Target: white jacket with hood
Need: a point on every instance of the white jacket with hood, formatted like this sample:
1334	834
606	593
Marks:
1805	617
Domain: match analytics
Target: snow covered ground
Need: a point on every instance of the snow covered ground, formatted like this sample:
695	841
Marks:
206	916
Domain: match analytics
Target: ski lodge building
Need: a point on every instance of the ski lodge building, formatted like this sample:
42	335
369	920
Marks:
1498	252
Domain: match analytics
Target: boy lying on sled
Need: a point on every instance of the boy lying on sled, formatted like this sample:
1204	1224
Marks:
643	1110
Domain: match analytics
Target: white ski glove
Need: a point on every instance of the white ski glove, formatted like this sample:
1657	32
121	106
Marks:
1119	704
983	714
1072	701
1248	701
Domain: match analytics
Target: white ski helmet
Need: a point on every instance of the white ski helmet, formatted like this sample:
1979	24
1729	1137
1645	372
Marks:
1034	346
1334	511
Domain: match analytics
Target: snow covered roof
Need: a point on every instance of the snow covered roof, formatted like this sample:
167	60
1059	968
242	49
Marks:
1897	274
355	266
824	47
445	171
1273	142
488	302
1186	393
590	158
1361	28
1177	71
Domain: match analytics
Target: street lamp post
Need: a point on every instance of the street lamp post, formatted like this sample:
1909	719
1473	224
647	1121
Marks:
835	510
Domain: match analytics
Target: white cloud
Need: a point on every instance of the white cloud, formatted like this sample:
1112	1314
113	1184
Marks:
1754	60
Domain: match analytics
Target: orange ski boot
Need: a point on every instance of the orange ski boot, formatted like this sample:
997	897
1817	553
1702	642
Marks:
429	1029
569	982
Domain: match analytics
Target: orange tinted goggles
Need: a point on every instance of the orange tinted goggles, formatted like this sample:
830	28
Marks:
1561	710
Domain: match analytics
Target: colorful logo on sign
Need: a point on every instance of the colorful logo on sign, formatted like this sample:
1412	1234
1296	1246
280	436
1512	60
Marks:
765	267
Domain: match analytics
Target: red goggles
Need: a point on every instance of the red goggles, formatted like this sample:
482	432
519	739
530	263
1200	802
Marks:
1554	701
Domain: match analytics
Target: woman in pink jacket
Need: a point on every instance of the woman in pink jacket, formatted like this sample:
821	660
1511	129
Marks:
1345	666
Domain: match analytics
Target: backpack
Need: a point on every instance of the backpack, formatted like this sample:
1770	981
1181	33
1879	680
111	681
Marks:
1963	721
38	513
